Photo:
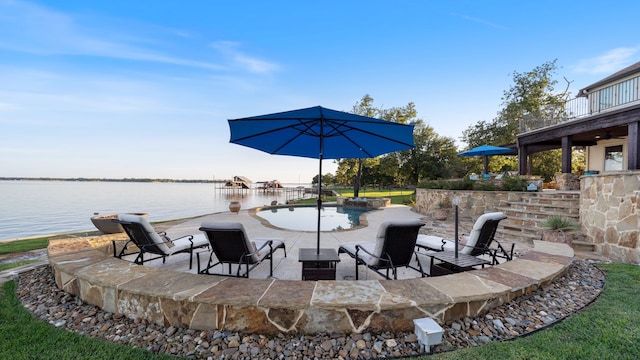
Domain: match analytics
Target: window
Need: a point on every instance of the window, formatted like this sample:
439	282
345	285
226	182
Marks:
613	158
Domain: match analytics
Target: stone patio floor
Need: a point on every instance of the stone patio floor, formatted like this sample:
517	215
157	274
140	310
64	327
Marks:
288	268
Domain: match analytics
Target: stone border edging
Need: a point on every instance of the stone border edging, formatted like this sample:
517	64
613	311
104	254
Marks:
84	267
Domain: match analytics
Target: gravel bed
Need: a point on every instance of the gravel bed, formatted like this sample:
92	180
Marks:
579	286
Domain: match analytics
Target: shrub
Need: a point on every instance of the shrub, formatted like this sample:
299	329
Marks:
511	183
557	222
484	186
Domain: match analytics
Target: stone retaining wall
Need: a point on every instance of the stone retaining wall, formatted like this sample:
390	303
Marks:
85	267
370	203
473	203
610	214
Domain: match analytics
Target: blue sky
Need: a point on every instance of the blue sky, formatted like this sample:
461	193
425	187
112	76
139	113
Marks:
143	89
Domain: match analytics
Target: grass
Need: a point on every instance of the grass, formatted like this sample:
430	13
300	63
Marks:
20	247
16	264
24	245
402	197
608	329
25	337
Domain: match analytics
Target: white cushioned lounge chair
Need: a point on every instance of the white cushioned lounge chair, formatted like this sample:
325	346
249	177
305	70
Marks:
230	245
478	241
394	247
148	241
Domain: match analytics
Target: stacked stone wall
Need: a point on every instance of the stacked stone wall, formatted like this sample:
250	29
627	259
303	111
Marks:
472	203
610	214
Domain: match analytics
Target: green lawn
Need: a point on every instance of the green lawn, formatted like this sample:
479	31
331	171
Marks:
25	337
608	329
24	245
402	197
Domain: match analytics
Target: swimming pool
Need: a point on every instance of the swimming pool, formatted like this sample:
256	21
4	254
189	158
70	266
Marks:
305	218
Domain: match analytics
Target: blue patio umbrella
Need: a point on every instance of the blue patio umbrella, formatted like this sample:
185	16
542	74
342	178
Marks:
485	151
321	133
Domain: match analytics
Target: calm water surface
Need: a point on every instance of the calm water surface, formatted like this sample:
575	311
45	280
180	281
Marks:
32	208
305	218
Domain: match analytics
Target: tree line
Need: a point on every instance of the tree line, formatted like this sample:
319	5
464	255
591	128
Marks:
435	157
111	180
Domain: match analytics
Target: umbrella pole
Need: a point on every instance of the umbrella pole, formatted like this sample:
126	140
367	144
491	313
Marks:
319	188
485	164
319	202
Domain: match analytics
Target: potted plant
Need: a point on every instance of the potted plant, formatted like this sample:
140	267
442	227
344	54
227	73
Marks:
559	229
442	210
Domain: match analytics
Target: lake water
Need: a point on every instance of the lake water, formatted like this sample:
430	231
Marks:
33	208
305	218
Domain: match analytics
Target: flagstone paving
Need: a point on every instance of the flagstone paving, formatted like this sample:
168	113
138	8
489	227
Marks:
264	304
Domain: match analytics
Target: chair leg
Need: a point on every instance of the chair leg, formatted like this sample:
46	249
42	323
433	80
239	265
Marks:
191	257
270	261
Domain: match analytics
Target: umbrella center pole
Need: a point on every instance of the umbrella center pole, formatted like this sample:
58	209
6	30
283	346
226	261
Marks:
319	188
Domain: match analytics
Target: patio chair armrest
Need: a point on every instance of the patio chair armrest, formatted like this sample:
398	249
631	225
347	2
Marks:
188	237
359	247
508	255
124	248
267	243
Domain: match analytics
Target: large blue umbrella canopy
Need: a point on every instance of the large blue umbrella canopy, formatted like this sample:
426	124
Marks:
321	133
485	151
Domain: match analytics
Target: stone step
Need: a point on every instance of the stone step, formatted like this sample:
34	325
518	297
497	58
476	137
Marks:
509	234
520	221
537	216
583	246
550	209
550	201
557	195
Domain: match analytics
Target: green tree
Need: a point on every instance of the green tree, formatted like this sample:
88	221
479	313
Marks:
327	179
532	97
432	157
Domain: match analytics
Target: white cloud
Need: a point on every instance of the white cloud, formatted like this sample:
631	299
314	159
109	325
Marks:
607	63
478	20
251	64
38	30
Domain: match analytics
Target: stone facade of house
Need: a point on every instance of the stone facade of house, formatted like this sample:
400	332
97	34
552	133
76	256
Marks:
610	214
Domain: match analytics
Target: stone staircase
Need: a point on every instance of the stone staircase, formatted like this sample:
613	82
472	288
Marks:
525	216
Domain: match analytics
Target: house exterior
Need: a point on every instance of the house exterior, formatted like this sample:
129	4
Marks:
604	119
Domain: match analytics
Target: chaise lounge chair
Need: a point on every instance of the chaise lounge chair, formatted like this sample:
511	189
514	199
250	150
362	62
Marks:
394	247
231	245
148	241
478	242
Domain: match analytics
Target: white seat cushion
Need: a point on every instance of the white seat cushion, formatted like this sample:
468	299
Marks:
248	242
153	235
369	246
183	243
435	242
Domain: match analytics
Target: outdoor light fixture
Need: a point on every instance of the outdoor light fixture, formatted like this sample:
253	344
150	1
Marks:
456	201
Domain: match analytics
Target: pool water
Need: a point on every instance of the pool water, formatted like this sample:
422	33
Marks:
305	218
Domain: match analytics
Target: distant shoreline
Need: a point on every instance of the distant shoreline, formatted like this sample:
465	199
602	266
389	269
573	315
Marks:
111	180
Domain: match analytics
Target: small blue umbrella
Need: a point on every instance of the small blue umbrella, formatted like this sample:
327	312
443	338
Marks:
321	133
485	151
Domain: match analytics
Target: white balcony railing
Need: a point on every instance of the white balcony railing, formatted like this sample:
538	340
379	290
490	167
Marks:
612	97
